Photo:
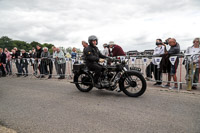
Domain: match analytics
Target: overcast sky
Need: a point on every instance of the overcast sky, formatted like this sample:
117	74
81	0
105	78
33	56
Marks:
133	24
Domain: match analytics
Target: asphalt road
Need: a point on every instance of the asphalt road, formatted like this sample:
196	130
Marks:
30	105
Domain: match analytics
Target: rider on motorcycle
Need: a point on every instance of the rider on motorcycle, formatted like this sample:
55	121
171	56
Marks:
92	57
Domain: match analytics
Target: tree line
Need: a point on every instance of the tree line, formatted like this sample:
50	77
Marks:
6	42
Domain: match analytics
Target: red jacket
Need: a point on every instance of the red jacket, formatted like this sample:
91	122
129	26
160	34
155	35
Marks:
117	51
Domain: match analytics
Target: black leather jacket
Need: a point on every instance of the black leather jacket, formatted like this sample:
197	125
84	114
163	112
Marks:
38	53
92	55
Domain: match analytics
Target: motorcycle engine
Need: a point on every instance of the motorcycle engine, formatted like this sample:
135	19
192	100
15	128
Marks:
110	75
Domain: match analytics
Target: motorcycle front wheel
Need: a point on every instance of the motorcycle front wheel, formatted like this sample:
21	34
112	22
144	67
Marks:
133	84
83	82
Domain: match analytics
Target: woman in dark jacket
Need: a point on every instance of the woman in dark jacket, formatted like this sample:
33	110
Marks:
24	63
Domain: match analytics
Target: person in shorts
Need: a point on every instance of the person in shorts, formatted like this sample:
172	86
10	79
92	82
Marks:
174	49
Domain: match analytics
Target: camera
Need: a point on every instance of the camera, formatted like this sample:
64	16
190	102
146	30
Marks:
167	41
159	43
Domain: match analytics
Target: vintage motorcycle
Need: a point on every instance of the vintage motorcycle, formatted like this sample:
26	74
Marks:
131	82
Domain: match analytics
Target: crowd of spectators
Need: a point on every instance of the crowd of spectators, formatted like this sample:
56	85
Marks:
169	65
42	62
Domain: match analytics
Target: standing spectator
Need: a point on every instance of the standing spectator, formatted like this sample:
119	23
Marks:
17	52
2	62
174	49
116	50
85	45
46	61
38	56
38	51
153	67
17	61
60	57
194	49
8	61
105	51
29	53
73	53
54	56
32	56
13	54
24	63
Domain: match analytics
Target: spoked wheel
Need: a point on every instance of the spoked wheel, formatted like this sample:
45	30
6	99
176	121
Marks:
83	82
133	84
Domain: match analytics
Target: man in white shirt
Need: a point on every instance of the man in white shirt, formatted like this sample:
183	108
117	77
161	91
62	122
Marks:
194	49
153	66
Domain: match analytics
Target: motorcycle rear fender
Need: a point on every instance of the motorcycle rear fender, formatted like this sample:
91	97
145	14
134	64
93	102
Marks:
86	72
127	72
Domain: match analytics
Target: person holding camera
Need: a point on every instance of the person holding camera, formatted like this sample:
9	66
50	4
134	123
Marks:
174	49
153	66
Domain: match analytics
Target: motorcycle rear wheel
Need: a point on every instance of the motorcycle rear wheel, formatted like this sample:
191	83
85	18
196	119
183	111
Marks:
83	82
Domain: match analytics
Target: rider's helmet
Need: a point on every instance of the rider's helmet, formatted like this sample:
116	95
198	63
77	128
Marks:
92	38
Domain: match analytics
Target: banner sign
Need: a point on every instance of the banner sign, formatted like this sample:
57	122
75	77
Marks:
145	60
172	59
158	60
133	59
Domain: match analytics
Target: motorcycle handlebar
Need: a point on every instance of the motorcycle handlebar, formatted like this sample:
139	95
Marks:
113	60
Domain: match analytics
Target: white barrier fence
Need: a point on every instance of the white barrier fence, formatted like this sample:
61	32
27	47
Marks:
41	67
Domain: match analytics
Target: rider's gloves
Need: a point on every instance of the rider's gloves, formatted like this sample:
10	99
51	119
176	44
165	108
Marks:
101	60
